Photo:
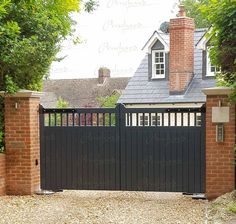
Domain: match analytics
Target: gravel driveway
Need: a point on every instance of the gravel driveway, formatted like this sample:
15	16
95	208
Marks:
102	207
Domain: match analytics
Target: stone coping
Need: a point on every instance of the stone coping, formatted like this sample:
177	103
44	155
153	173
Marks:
23	94
218	91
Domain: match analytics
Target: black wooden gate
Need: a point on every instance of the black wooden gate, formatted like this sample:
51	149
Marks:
133	149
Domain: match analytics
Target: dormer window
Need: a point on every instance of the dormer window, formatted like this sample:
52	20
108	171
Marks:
157	49
158	64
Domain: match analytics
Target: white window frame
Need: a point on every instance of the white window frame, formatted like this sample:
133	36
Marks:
209	73
154	75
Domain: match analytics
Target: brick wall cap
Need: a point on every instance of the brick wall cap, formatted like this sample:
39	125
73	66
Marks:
23	94
218	91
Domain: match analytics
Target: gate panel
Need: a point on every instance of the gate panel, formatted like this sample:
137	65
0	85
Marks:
165	153
135	149
79	157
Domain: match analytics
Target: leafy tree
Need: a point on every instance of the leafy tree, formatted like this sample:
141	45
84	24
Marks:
109	101
192	8
31	33
91	5
222	15
30	36
61	103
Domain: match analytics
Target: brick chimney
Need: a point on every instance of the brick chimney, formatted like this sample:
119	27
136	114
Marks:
103	73
181	52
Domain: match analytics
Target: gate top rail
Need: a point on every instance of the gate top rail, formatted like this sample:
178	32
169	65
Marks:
78	110
130	117
164	110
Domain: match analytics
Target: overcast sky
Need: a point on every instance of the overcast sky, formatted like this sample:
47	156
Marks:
112	36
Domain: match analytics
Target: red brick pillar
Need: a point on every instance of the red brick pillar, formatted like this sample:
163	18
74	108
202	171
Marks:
220	167
22	143
2	174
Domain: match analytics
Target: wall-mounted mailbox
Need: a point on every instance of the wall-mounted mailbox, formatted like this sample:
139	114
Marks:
219	132
220	114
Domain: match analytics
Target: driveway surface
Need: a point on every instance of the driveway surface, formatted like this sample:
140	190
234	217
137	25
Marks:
103	207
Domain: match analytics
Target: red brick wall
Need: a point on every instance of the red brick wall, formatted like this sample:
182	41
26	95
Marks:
181	53
2	174
22	145
220	177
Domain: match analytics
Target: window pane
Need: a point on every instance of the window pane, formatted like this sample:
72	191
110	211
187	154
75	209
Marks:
162	65
161	54
213	69
157	71
162	71
161	60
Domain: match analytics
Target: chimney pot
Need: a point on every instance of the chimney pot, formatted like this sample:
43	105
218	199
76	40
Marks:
182	12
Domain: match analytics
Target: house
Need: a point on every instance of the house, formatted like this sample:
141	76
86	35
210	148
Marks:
82	92
174	71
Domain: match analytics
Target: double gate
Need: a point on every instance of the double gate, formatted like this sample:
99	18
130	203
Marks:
133	149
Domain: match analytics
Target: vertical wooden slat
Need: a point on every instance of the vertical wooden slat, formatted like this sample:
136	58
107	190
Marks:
73	118
110	124
97	119
91	119
79	158
61	119
169	118
85	119
103	119
175	118
137	119
131	120
143	119
156	119
49	119
188	119
67	120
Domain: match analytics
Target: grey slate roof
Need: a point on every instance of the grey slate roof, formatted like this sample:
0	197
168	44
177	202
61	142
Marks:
141	91
80	92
